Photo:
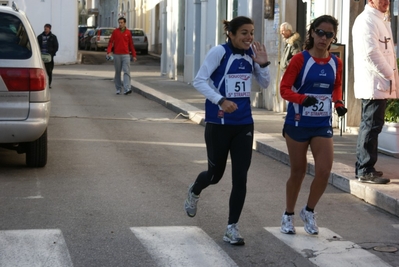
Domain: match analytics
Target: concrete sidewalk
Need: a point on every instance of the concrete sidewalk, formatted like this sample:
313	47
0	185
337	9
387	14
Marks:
185	100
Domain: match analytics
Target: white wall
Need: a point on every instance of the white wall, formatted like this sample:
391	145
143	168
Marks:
63	17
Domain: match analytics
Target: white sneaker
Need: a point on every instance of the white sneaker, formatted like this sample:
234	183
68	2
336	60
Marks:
309	218
233	236
287	224
190	205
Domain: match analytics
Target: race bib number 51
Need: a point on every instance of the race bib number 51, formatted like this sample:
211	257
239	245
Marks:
238	85
320	109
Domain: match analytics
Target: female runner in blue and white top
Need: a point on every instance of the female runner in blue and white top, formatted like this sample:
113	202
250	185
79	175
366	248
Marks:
311	83
225	80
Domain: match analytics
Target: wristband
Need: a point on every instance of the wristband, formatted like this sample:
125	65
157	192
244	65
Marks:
265	65
221	101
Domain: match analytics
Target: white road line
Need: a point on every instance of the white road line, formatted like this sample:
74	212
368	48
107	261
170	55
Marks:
130	142
328	249
182	246
30	248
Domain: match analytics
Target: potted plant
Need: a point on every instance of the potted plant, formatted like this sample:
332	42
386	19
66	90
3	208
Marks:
388	139
392	111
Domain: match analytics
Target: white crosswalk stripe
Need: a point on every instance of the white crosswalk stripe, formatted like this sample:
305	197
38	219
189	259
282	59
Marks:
182	246
30	248
328	249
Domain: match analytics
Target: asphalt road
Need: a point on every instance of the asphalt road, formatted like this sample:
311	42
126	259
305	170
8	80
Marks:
121	164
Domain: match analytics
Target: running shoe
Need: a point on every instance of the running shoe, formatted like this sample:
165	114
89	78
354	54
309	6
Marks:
127	92
233	236
287	224
190	205
373	178
309	218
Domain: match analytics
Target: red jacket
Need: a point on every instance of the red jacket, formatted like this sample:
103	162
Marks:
121	43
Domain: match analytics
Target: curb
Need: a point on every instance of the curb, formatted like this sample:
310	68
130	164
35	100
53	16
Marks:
276	149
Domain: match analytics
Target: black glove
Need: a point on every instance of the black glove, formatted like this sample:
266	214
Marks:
341	111
309	101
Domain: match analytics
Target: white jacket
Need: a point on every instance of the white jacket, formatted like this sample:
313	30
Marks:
375	68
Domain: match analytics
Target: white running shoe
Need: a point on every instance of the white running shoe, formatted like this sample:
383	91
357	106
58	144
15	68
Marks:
190	205
233	236
287	224
309	218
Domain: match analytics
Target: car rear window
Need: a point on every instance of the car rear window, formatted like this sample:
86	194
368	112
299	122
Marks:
82	29
137	33
106	32
14	40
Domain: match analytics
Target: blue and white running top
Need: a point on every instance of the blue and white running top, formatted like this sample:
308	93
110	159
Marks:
317	79
227	72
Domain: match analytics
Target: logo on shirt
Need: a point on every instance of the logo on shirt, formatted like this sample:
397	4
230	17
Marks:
239	76
323	73
241	67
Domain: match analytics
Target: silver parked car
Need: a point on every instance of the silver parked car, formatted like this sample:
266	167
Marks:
101	38
140	41
24	89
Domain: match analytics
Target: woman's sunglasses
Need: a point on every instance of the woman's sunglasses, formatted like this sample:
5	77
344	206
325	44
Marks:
321	33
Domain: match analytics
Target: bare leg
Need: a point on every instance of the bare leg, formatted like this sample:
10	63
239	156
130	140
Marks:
323	153
297	152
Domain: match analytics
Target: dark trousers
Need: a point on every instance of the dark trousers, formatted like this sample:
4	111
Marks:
49	69
372	121
220	140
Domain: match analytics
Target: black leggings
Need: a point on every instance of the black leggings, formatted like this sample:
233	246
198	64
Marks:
220	139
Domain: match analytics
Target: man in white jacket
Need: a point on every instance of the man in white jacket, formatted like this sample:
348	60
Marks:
376	80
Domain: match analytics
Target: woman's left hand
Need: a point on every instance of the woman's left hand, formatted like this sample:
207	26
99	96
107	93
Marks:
260	54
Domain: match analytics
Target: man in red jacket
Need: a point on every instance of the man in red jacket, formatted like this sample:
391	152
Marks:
121	43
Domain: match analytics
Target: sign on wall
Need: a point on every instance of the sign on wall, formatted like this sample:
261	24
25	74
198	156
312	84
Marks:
269	9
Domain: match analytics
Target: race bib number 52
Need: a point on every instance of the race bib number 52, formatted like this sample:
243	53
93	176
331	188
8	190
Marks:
320	109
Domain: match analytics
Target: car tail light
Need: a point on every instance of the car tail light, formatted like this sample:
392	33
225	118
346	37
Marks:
24	79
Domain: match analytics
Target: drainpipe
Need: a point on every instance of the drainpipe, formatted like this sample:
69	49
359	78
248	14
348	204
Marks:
204	29
164	56
197	34
278	78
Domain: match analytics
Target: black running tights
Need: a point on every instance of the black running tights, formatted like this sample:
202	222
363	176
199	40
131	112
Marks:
220	140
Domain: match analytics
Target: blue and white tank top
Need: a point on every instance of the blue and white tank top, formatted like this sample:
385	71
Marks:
317	80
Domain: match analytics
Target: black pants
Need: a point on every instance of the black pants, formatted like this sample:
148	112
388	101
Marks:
372	121
49	69
220	140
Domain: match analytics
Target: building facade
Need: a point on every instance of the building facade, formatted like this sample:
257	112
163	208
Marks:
62	16
183	31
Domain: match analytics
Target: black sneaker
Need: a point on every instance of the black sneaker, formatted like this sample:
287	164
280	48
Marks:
373	178
374	173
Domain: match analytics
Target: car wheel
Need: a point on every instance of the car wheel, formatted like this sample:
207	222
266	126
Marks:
144	52
36	152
